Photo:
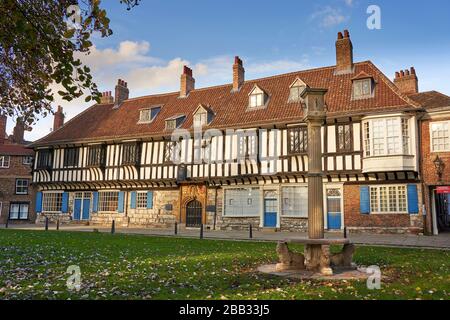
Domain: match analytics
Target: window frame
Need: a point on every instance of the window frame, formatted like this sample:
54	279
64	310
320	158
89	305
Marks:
380	200
298	96
144	196
96	155
45	159
247	145
71	157
203	119
303	215
349	148
233	201
131	153
371	140
20	204
356	82
58	202
447	123
111	196
293	150
30	163
26	188
151	116
3	163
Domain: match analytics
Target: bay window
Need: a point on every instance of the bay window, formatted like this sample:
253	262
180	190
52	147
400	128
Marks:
384	137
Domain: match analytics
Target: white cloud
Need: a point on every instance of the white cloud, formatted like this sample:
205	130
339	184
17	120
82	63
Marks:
146	74
349	2
328	17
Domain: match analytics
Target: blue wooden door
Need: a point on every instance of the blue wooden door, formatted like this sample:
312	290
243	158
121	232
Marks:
77	209
86	208
270	213
334	211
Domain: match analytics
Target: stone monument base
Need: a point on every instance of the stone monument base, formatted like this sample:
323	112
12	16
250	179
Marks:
338	273
316	257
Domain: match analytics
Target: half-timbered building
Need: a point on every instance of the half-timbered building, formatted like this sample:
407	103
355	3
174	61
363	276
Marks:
233	155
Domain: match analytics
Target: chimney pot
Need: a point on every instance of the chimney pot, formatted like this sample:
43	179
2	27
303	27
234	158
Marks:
121	93
407	81
346	34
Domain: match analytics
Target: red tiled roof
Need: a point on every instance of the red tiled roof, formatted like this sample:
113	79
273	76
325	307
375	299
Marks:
102	122
15	150
431	99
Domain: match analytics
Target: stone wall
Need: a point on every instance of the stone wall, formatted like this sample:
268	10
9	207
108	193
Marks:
158	217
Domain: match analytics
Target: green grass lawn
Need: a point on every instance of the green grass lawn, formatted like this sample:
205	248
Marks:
33	265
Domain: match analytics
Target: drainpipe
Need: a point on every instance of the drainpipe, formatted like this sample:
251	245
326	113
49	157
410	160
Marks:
425	188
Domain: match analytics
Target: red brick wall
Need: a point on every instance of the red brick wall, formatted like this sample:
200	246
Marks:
429	175
8	188
354	218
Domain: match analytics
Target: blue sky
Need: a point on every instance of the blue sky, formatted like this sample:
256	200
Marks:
151	42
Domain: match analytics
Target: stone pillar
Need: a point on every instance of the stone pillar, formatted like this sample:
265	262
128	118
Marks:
315	118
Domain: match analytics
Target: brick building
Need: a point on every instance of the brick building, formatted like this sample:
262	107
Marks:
16	162
435	159
236	154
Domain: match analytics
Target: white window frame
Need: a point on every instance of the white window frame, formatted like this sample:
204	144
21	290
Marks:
5	162
233	201
360	82
200	119
148	112
26	186
19	216
141	200
50	201
400	208
107	196
436	123
284	198
404	137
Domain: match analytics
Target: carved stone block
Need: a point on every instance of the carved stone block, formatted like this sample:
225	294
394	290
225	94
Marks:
344	258
289	260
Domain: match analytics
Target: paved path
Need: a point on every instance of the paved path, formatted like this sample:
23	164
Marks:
442	241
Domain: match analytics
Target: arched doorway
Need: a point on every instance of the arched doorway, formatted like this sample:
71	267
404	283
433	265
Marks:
194	214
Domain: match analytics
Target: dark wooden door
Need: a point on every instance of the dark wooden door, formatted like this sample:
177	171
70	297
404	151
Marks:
194	214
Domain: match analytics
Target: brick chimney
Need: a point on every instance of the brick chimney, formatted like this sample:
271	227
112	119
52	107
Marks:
238	74
106	98
344	53
187	82
58	120
407	81
122	93
3	121
19	131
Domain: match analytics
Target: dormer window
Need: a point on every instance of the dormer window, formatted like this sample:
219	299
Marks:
175	122
148	115
200	119
257	98
202	116
363	87
296	90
